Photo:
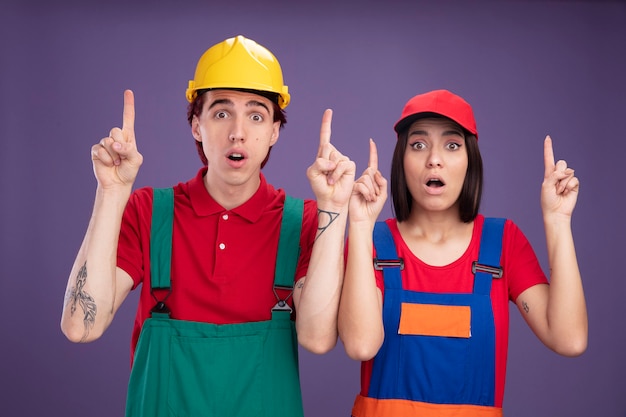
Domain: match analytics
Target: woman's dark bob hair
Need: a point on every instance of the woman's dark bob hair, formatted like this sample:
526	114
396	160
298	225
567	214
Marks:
471	193
195	108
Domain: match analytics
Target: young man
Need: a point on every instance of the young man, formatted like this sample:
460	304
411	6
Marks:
222	258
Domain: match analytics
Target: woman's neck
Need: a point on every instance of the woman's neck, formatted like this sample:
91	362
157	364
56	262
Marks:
436	238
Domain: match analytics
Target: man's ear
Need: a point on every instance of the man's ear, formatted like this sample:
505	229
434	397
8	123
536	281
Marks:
195	129
275	133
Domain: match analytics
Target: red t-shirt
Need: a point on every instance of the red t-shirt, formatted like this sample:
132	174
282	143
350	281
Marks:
222	260
521	270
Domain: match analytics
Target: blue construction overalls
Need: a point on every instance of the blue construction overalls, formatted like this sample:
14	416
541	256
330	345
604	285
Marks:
184	368
438	355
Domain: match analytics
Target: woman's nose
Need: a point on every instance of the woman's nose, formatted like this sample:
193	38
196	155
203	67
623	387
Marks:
434	159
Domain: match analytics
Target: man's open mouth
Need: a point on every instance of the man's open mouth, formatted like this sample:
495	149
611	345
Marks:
235	157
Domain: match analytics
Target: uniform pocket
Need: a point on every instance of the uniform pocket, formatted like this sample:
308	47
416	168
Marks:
435	320
216	376
435	347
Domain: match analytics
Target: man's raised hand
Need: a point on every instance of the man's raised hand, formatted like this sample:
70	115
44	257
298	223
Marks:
332	174
116	159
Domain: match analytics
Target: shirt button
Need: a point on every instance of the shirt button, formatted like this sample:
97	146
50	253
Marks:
222	246
225	217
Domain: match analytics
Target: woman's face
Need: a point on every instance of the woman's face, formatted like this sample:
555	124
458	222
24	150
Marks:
435	164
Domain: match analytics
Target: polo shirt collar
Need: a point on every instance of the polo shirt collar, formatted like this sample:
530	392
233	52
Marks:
204	205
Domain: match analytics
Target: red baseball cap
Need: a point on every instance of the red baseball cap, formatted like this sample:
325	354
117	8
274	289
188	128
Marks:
438	102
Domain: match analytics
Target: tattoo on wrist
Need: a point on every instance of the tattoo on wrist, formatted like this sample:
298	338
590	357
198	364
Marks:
78	296
300	284
525	306
331	217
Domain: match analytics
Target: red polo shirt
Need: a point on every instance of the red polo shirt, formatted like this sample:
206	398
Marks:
222	260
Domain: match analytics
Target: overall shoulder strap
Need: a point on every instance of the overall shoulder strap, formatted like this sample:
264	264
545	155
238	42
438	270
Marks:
288	249
289	242
387	259
488	265
161	238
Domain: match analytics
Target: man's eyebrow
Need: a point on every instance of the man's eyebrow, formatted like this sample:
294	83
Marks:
253	103
226	101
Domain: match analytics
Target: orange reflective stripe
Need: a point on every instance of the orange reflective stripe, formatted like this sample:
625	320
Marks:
370	407
435	320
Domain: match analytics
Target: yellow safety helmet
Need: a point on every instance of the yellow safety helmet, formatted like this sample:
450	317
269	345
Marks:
239	63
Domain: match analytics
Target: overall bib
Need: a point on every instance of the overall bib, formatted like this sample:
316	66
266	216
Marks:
438	356
184	369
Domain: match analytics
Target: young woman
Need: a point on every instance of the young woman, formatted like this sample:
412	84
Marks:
429	317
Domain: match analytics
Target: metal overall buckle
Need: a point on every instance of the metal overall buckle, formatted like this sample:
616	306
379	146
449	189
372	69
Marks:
379	264
495	272
282	305
160	307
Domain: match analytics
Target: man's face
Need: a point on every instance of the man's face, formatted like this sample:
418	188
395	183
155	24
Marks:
236	130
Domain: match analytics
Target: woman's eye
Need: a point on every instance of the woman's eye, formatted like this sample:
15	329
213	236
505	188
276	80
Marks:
454	146
418	146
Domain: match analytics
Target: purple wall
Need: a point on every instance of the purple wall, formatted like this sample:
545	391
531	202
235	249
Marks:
529	68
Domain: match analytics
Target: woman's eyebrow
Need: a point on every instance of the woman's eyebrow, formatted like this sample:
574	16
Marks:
418	132
453	132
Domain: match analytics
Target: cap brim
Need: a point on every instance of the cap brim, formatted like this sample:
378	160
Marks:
403	124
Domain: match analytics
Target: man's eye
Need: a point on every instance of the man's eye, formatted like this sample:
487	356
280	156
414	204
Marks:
257	117
220	115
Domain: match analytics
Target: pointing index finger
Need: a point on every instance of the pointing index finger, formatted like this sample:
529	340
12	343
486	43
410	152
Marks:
548	156
325	130
373	162
128	116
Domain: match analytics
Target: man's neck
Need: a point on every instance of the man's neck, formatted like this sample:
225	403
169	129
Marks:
229	195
